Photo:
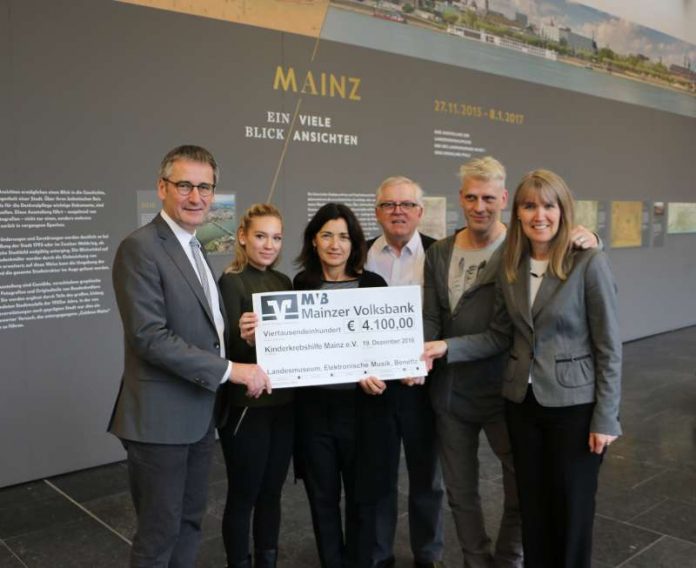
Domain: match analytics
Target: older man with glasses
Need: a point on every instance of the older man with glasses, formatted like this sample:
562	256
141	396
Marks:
398	255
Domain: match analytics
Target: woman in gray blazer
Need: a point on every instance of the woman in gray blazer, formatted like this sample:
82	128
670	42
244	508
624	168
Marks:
556	314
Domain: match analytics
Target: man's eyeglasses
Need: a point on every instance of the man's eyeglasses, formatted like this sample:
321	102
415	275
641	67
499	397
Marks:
184	188
390	206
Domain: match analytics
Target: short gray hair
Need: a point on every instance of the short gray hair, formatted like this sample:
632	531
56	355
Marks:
398	180
486	169
191	153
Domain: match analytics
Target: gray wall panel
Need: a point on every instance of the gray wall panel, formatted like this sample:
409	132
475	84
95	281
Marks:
98	90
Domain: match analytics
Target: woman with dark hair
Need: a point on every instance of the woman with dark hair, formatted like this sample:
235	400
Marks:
556	313
332	257
326	259
256	434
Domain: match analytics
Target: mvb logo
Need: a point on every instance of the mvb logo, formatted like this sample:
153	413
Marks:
279	307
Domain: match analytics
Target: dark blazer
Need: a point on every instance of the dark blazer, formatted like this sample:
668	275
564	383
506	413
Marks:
172	363
568	340
471	389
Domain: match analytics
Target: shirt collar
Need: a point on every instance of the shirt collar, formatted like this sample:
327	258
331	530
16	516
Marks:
413	246
182	235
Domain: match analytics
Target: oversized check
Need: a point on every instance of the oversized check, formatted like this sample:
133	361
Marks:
320	337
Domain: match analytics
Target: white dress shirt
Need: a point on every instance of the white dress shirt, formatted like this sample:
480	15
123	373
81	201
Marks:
398	270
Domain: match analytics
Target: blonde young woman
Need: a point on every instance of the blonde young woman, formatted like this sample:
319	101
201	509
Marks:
256	434
556	313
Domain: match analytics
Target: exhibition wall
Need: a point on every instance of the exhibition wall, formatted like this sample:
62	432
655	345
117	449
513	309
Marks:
95	92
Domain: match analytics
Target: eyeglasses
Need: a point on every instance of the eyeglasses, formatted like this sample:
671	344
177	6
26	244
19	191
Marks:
185	188
390	206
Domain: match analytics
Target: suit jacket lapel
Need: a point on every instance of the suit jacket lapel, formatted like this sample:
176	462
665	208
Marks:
548	287
520	291
173	248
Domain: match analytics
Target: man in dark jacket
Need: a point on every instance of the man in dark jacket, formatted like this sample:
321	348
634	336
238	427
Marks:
459	290
398	256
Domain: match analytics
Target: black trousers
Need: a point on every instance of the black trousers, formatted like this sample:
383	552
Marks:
326	444
401	414
169	486
556	479
257	459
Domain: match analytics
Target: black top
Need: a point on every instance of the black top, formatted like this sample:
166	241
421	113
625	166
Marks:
236	290
367	279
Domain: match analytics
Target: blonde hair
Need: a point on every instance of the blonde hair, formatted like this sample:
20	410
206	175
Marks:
485	169
551	188
241	259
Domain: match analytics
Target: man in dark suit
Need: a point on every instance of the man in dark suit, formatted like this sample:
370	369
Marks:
398	256
174	329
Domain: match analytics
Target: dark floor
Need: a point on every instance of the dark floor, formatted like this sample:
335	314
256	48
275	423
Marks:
646	507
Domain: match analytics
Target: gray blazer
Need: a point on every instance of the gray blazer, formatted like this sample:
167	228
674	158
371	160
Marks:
472	389
568	340
172	366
